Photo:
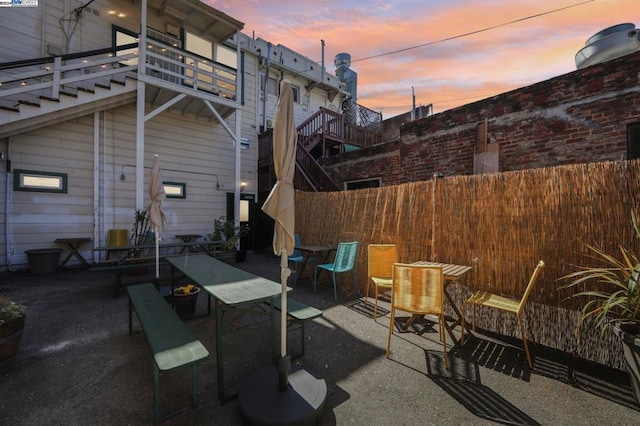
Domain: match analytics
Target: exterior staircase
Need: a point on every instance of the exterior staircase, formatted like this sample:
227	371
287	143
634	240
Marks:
323	134
37	92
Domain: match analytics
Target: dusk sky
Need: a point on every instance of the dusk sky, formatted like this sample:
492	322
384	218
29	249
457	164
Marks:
512	43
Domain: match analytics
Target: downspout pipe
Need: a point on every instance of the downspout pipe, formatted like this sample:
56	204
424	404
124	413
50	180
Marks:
7	209
266	90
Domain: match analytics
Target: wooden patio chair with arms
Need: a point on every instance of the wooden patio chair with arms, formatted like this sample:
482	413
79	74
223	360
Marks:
380	259
419	290
505	304
343	262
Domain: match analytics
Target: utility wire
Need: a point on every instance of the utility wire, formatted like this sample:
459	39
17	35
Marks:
472	32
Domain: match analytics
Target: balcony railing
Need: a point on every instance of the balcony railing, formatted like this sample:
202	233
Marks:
24	81
177	66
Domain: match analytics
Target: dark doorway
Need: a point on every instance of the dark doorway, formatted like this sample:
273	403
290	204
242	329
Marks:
247	218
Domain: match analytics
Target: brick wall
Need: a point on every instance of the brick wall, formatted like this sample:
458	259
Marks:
577	117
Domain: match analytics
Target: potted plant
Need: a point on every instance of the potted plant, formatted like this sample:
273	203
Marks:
141	235
226	236
614	302
12	318
184	300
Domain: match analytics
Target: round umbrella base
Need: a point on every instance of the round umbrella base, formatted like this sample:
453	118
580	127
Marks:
261	403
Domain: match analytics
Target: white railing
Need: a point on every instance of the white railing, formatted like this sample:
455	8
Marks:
177	66
51	75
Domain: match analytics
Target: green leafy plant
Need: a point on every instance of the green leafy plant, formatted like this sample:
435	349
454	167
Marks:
226	231
141	233
10	310
616	297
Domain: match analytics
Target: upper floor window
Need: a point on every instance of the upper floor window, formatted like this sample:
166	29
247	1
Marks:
295	90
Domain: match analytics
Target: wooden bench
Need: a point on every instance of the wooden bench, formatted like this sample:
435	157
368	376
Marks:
297	312
172	344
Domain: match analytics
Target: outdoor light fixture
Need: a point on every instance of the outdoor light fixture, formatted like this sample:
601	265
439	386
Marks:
242	186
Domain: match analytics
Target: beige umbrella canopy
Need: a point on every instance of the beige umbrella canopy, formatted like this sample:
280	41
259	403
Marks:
280	203
154	210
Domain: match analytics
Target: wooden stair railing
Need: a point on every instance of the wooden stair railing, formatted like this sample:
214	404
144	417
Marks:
322	126
313	172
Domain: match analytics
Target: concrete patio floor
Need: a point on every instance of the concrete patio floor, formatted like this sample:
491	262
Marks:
78	365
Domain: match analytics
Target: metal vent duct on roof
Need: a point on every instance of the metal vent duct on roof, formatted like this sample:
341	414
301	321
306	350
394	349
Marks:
346	75
610	43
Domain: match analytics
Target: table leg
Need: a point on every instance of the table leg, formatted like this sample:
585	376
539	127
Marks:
449	328
73	251
219	352
305	265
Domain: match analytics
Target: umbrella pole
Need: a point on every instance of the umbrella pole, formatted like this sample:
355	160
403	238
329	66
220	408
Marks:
284	364
157	230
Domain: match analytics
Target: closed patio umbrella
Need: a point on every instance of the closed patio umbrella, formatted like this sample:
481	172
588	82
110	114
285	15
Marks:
154	210
298	398
280	203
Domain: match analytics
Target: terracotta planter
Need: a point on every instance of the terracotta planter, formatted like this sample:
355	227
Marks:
185	304
10	338
629	333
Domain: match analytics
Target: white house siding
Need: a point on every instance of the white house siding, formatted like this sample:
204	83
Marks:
20	32
38	218
191	151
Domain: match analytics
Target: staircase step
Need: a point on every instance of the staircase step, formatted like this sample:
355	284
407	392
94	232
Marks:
49	98
8	108
30	103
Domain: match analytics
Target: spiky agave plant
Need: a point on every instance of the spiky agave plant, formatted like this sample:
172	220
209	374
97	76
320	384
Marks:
617	296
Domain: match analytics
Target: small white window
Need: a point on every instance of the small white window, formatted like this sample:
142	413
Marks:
27	180
175	189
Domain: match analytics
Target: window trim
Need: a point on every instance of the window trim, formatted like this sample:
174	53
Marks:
180	185
347	183
18	181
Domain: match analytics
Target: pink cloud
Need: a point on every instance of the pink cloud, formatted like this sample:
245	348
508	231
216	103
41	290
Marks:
449	73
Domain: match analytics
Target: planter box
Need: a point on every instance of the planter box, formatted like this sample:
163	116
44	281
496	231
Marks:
43	261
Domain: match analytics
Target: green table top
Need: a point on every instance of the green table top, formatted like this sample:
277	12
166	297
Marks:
227	284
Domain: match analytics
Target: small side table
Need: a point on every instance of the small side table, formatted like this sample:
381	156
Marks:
73	244
188	238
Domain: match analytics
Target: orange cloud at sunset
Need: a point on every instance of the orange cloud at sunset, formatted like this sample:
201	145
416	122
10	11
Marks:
448	73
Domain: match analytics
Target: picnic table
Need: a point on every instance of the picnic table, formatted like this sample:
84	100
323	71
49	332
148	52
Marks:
132	257
231	288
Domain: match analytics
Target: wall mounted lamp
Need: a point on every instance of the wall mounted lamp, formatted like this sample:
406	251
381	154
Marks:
243	185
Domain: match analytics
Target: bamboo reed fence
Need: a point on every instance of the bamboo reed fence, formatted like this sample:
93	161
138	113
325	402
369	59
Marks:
501	224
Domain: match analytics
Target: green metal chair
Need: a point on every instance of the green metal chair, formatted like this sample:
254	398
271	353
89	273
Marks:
297	258
343	262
